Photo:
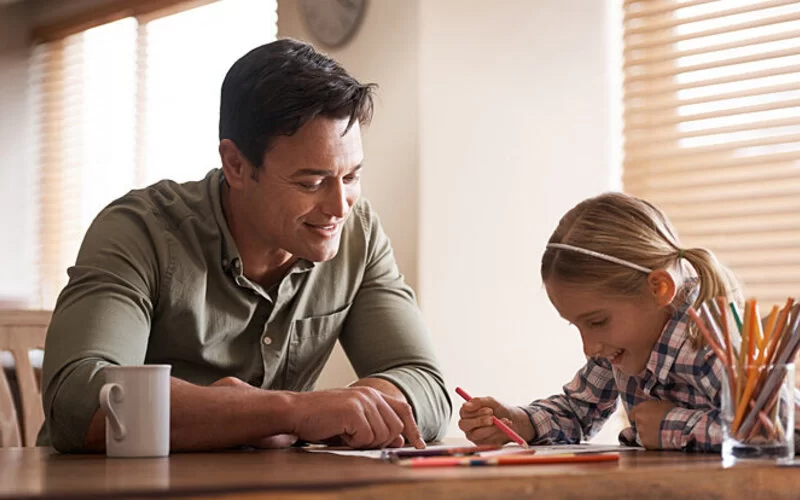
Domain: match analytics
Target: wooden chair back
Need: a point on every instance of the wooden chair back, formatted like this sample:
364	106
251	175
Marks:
20	332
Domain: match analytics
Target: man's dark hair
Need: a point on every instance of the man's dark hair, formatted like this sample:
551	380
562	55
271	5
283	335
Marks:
276	88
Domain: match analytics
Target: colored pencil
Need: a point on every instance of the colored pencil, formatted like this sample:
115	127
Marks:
508	431
526	459
757	371
395	454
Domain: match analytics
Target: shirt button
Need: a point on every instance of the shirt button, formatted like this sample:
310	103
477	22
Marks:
267	340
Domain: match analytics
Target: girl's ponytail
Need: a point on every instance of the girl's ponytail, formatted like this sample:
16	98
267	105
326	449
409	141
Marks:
715	280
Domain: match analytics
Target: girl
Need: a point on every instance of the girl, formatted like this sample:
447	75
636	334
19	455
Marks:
615	269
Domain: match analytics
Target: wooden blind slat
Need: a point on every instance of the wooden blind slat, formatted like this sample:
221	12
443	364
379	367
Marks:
636	139
657	7
717	176
654	26
722	243
743	225
674	151
672	70
698	194
668	53
732	210
634	107
641	90
690	163
632	46
778	258
655	120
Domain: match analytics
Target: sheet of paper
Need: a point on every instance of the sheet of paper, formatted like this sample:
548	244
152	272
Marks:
376	454
506	450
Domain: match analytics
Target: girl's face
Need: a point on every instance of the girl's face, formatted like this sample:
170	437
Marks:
620	329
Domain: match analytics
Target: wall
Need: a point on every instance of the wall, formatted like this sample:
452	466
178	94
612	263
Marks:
16	151
514	131
385	51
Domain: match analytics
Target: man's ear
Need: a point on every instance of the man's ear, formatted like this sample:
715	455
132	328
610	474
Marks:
662	286
234	164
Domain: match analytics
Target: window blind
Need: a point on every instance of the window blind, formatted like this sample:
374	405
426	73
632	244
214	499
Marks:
711	129
127	103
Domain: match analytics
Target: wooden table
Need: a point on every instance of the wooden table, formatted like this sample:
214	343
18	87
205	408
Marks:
40	472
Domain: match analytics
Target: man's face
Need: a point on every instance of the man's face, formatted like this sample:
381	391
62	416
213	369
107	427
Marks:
305	189
622	330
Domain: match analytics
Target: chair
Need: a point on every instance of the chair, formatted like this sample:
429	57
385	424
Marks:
20	332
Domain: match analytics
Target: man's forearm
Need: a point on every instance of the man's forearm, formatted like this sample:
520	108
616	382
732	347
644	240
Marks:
382	385
206	418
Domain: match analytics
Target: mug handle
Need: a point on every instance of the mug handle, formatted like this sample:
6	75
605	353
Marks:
112	393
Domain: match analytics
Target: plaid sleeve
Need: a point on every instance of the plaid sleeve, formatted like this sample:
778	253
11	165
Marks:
587	402
691	430
696	427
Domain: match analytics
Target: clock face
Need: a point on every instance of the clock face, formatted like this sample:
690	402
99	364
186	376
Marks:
332	22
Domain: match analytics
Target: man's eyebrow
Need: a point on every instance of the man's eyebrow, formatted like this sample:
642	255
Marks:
321	172
312	171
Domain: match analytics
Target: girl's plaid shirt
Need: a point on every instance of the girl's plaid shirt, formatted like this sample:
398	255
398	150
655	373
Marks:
676	372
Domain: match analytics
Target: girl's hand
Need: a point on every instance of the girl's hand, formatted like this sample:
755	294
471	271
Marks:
476	421
648	416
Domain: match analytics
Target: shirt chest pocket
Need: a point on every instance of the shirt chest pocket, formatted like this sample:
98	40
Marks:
310	344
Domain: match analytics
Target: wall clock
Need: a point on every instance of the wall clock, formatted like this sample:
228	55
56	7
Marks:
332	22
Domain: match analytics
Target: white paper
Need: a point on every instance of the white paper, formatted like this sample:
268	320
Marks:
506	450
376	454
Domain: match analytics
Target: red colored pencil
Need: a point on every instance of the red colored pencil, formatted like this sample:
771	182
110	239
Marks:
508	431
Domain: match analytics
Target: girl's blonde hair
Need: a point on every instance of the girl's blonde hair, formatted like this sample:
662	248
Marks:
634	230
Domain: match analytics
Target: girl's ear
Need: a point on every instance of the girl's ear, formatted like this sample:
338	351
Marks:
662	286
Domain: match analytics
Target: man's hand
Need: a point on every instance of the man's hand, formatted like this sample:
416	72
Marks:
276	441
477	424
648	416
362	417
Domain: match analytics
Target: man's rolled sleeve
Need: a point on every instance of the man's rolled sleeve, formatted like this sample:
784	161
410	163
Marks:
102	317
384	336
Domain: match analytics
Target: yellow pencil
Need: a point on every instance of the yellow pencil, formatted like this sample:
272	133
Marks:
772	321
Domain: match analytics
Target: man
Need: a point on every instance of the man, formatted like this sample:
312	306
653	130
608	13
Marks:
244	281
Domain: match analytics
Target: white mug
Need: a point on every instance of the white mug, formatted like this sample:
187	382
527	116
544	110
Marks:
135	400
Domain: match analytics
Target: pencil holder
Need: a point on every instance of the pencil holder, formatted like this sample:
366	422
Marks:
757	413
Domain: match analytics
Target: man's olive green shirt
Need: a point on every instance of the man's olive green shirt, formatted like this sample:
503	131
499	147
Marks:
158	279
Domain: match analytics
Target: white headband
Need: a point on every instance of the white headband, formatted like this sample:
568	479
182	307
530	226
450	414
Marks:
599	255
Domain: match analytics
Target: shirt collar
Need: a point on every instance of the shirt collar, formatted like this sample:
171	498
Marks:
674	334
231	260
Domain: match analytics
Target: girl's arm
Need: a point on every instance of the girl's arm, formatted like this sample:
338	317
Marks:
587	402
697	429
691	430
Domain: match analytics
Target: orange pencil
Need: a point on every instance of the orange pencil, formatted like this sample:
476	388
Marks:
508	431
772	321
754	375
